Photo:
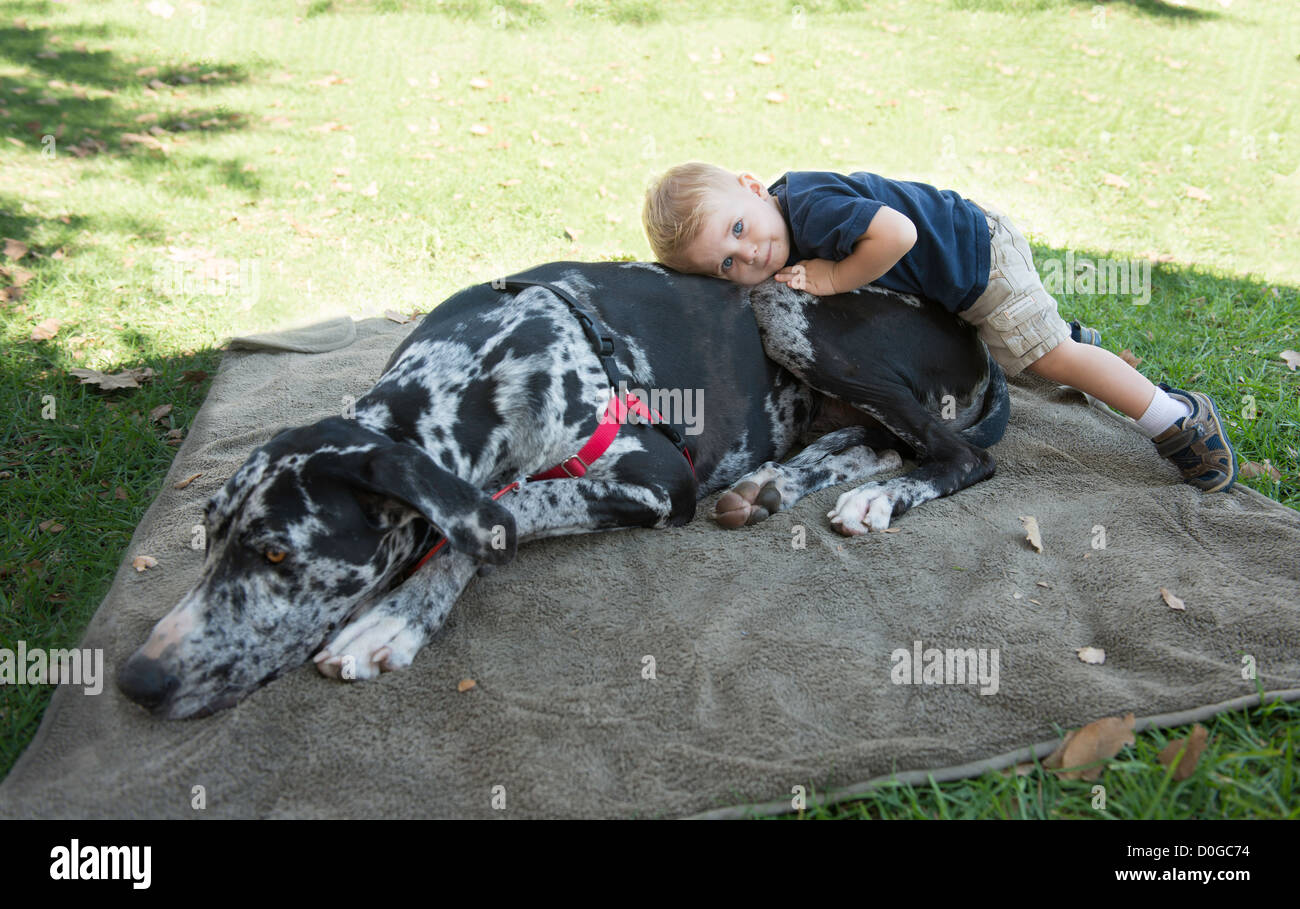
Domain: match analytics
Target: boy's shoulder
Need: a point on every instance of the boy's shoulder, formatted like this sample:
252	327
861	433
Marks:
809	188
808	180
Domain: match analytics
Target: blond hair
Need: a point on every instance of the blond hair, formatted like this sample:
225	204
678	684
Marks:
676	206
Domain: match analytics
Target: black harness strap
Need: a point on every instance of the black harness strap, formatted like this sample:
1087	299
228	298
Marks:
601	338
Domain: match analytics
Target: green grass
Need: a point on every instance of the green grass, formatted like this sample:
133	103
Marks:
1247	771
330	142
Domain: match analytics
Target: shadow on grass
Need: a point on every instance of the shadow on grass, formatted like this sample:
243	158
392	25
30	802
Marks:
73	101
513	14
66	100
1159	9
78	469
1156	10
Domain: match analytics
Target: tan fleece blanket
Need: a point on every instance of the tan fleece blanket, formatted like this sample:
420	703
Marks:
772	666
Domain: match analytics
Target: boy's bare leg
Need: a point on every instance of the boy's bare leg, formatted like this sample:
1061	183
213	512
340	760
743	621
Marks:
1196	443
1098	372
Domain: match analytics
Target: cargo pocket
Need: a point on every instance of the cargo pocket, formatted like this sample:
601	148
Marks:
1016	326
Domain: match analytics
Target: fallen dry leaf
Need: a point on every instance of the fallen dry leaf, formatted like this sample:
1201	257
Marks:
466	685
159	412
1031	531
1195	743
1043	584
45	330
480	129
372	190
1291	358
51	525
1200	195
127	378
1172	601
1252	469
775	97
395	316
189	254
144	139
1099	741
143	563
479	82
187	481
1094	655
762	58
15	249
1114	180
20	276
1129	357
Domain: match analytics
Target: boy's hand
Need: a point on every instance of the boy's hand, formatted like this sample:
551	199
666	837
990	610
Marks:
816	276
888	238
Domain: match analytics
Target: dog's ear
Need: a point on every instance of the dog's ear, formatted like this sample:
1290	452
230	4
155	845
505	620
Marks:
471	520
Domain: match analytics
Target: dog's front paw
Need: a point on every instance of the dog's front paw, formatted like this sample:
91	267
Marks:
755	498
858	511
747	503
371	644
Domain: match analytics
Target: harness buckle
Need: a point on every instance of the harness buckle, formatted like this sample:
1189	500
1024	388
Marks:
564	465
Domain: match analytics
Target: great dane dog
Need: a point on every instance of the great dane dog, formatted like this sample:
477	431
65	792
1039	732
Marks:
316	545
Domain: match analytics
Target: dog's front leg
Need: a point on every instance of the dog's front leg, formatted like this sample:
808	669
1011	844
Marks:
835	458
947	463
391	633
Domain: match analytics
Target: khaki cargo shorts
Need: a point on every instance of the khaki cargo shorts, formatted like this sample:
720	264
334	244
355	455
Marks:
1016	317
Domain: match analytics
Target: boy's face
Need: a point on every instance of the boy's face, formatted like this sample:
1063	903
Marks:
743	238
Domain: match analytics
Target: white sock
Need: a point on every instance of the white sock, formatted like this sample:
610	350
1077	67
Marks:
1161	413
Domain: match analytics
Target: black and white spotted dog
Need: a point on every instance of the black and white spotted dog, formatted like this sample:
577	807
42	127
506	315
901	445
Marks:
312	542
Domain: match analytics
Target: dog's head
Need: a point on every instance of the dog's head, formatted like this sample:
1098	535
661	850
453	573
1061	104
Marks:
317	523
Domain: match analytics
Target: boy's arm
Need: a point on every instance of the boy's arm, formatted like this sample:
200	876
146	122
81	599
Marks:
887	239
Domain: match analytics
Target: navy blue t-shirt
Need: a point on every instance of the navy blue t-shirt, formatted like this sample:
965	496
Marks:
826	212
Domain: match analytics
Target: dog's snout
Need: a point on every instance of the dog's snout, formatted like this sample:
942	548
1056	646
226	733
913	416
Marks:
145	681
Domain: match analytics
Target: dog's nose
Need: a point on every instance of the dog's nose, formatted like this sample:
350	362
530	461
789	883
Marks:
145	681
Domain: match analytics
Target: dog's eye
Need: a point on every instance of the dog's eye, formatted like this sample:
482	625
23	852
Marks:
275	556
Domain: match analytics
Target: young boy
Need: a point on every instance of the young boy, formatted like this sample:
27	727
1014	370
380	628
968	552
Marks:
831	233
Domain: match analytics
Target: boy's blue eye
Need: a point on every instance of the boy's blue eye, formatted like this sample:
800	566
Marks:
738	227
726	263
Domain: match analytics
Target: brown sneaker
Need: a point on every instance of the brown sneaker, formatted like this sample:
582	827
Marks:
1198	445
